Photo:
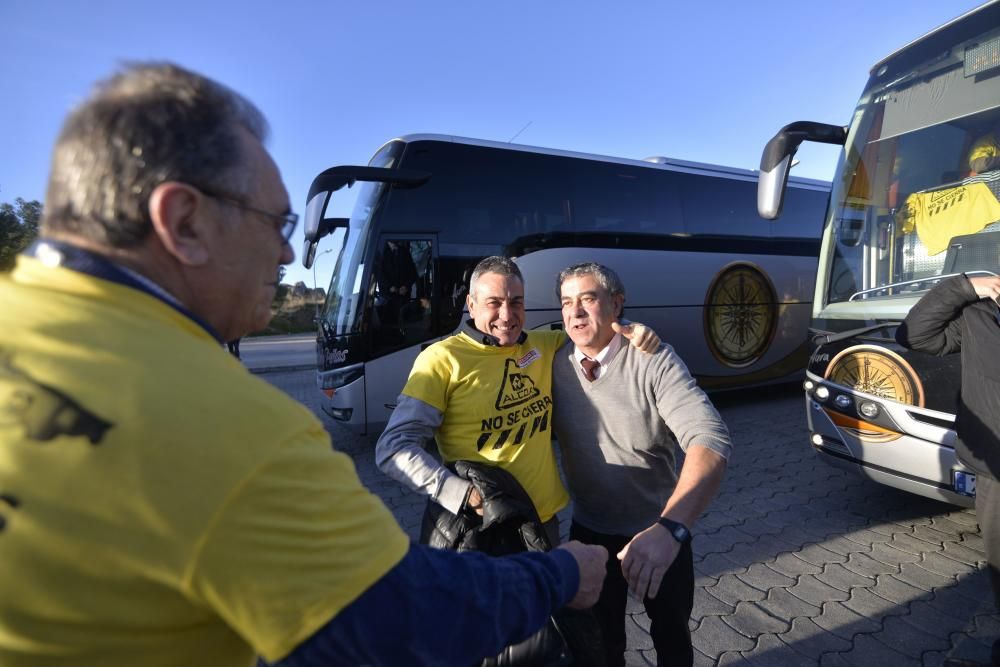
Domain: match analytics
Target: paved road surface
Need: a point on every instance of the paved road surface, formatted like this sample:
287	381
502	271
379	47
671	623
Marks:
265	354
797	563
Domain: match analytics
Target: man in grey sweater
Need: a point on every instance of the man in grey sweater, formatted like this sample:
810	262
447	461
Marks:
618	416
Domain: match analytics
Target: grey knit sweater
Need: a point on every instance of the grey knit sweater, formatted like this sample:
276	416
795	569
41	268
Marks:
617	434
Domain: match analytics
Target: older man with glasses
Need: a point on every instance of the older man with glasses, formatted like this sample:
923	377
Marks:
158	504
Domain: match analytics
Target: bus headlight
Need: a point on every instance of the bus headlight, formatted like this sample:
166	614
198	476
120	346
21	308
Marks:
332	380
822	393
843	402
808	385
869	409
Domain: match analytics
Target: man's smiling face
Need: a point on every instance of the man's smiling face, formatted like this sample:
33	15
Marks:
588	311
497	306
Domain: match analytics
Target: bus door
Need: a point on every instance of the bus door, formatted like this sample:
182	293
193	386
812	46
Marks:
403	316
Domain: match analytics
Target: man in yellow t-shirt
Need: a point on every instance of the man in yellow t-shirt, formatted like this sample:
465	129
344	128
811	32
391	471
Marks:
937	216
158	504
485	394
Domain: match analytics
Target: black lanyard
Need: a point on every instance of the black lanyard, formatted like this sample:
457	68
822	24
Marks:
84	261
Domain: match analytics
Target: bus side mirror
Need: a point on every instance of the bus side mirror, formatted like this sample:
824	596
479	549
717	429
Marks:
771	189
316	226
325	227
328	226
776	161
309	253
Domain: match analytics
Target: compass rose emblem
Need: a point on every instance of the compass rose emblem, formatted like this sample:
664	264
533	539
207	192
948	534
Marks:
877	371
740	315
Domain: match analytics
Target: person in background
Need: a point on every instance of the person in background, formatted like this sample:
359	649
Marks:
158	504
395	282
961	315
984	155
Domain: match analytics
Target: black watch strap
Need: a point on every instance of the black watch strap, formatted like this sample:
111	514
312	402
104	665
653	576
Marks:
677	529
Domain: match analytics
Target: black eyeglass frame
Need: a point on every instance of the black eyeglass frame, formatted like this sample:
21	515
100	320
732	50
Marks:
289	221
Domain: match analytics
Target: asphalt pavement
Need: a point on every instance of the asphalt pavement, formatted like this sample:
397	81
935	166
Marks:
273	354
797	562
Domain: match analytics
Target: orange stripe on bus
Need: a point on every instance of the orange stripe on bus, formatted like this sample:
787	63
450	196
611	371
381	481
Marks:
851	422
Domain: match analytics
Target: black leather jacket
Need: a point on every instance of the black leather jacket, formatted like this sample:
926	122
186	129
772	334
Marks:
952	318
509	525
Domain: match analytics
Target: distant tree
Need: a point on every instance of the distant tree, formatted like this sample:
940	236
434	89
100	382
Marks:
281	292
279	297
18	228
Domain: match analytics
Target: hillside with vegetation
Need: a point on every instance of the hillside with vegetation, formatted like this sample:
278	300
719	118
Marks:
294	309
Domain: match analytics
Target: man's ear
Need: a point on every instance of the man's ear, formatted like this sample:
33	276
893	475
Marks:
619	305
180	222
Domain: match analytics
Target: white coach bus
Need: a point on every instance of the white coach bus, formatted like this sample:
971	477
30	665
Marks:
732	296
914	200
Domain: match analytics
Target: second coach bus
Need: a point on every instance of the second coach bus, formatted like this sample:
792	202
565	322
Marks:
914	201
731	296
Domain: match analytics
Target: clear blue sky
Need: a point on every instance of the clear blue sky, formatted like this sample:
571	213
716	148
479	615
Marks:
705	81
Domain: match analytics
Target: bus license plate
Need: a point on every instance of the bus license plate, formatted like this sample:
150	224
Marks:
965	482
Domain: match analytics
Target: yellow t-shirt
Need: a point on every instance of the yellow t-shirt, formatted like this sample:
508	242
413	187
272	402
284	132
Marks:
160	505
497	405
941	215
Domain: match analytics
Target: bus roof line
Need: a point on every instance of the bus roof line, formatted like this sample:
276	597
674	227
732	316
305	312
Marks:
668	164
931	33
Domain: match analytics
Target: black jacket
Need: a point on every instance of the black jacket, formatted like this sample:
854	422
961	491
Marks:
952	318
509	524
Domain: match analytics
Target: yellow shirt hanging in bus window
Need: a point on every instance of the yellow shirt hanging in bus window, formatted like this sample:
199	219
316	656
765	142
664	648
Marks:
940	215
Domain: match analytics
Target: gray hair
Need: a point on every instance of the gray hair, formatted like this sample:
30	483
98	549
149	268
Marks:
503	266
150	123
605	276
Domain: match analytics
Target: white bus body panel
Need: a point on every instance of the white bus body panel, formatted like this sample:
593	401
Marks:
374	395
667	291
919	461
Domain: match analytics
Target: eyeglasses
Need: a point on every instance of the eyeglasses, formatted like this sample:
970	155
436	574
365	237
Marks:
288	220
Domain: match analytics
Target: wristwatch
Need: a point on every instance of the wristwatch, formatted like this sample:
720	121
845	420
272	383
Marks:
677	529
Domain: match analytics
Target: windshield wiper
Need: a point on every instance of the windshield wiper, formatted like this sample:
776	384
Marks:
824	338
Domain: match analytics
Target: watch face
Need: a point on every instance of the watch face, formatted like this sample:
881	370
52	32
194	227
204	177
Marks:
678	530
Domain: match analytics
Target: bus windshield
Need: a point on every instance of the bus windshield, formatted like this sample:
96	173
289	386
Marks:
917	197
343	311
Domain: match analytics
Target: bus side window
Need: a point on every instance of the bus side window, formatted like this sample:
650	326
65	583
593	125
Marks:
453	276
403	312
803	215
716	206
